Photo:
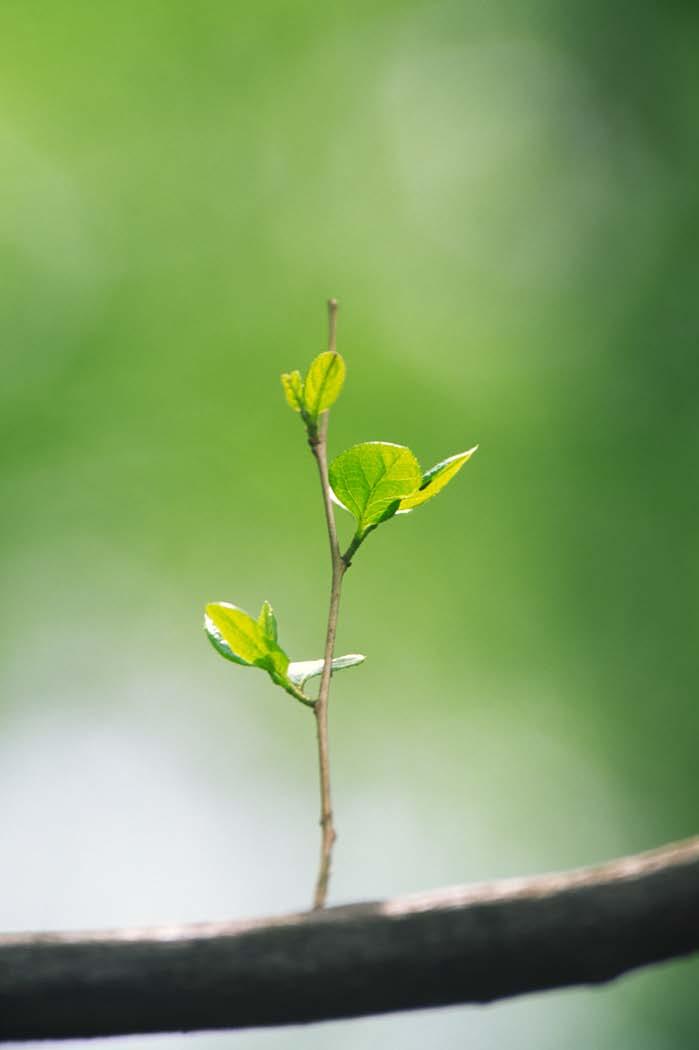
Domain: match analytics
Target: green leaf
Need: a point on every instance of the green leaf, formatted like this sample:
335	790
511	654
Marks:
323	383
435	479
235	635
293	390
300	671
371	479
268	621
253	643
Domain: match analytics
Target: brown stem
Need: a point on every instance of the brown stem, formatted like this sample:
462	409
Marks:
321	713
319	447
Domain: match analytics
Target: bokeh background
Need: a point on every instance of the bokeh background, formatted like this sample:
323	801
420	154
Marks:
504	198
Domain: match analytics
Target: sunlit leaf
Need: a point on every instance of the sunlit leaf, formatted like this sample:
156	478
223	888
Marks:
300	671
268	621
293	390
235	635
323	383
371	479
435	479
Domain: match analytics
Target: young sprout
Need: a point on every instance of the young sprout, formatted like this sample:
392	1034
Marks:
373	481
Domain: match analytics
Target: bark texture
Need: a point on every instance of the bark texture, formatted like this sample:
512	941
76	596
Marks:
470	944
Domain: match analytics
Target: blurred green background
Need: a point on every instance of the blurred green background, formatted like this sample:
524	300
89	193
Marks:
504	199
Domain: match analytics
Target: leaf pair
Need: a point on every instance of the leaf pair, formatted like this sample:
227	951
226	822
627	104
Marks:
377	479
318	391
253	643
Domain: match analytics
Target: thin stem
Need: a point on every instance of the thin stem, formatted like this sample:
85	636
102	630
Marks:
328	834
319	447
332	324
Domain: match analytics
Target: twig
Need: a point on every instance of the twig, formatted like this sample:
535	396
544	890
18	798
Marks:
319	447
469	944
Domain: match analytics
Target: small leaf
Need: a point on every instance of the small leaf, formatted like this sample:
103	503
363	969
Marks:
293	390
300	671
235	635
435	479
268	621
371	479
324	381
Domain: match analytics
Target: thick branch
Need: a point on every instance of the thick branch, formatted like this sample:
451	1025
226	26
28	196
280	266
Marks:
468	944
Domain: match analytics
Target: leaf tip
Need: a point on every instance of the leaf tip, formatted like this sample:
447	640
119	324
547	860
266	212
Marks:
268	621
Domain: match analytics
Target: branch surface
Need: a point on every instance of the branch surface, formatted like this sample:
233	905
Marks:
467	944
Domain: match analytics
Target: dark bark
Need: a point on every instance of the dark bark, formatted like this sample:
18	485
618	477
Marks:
469	944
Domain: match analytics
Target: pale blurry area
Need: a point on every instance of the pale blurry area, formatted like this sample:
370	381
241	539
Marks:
505	203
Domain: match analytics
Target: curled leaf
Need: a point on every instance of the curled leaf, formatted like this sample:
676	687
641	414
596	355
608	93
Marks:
435	479
300	671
